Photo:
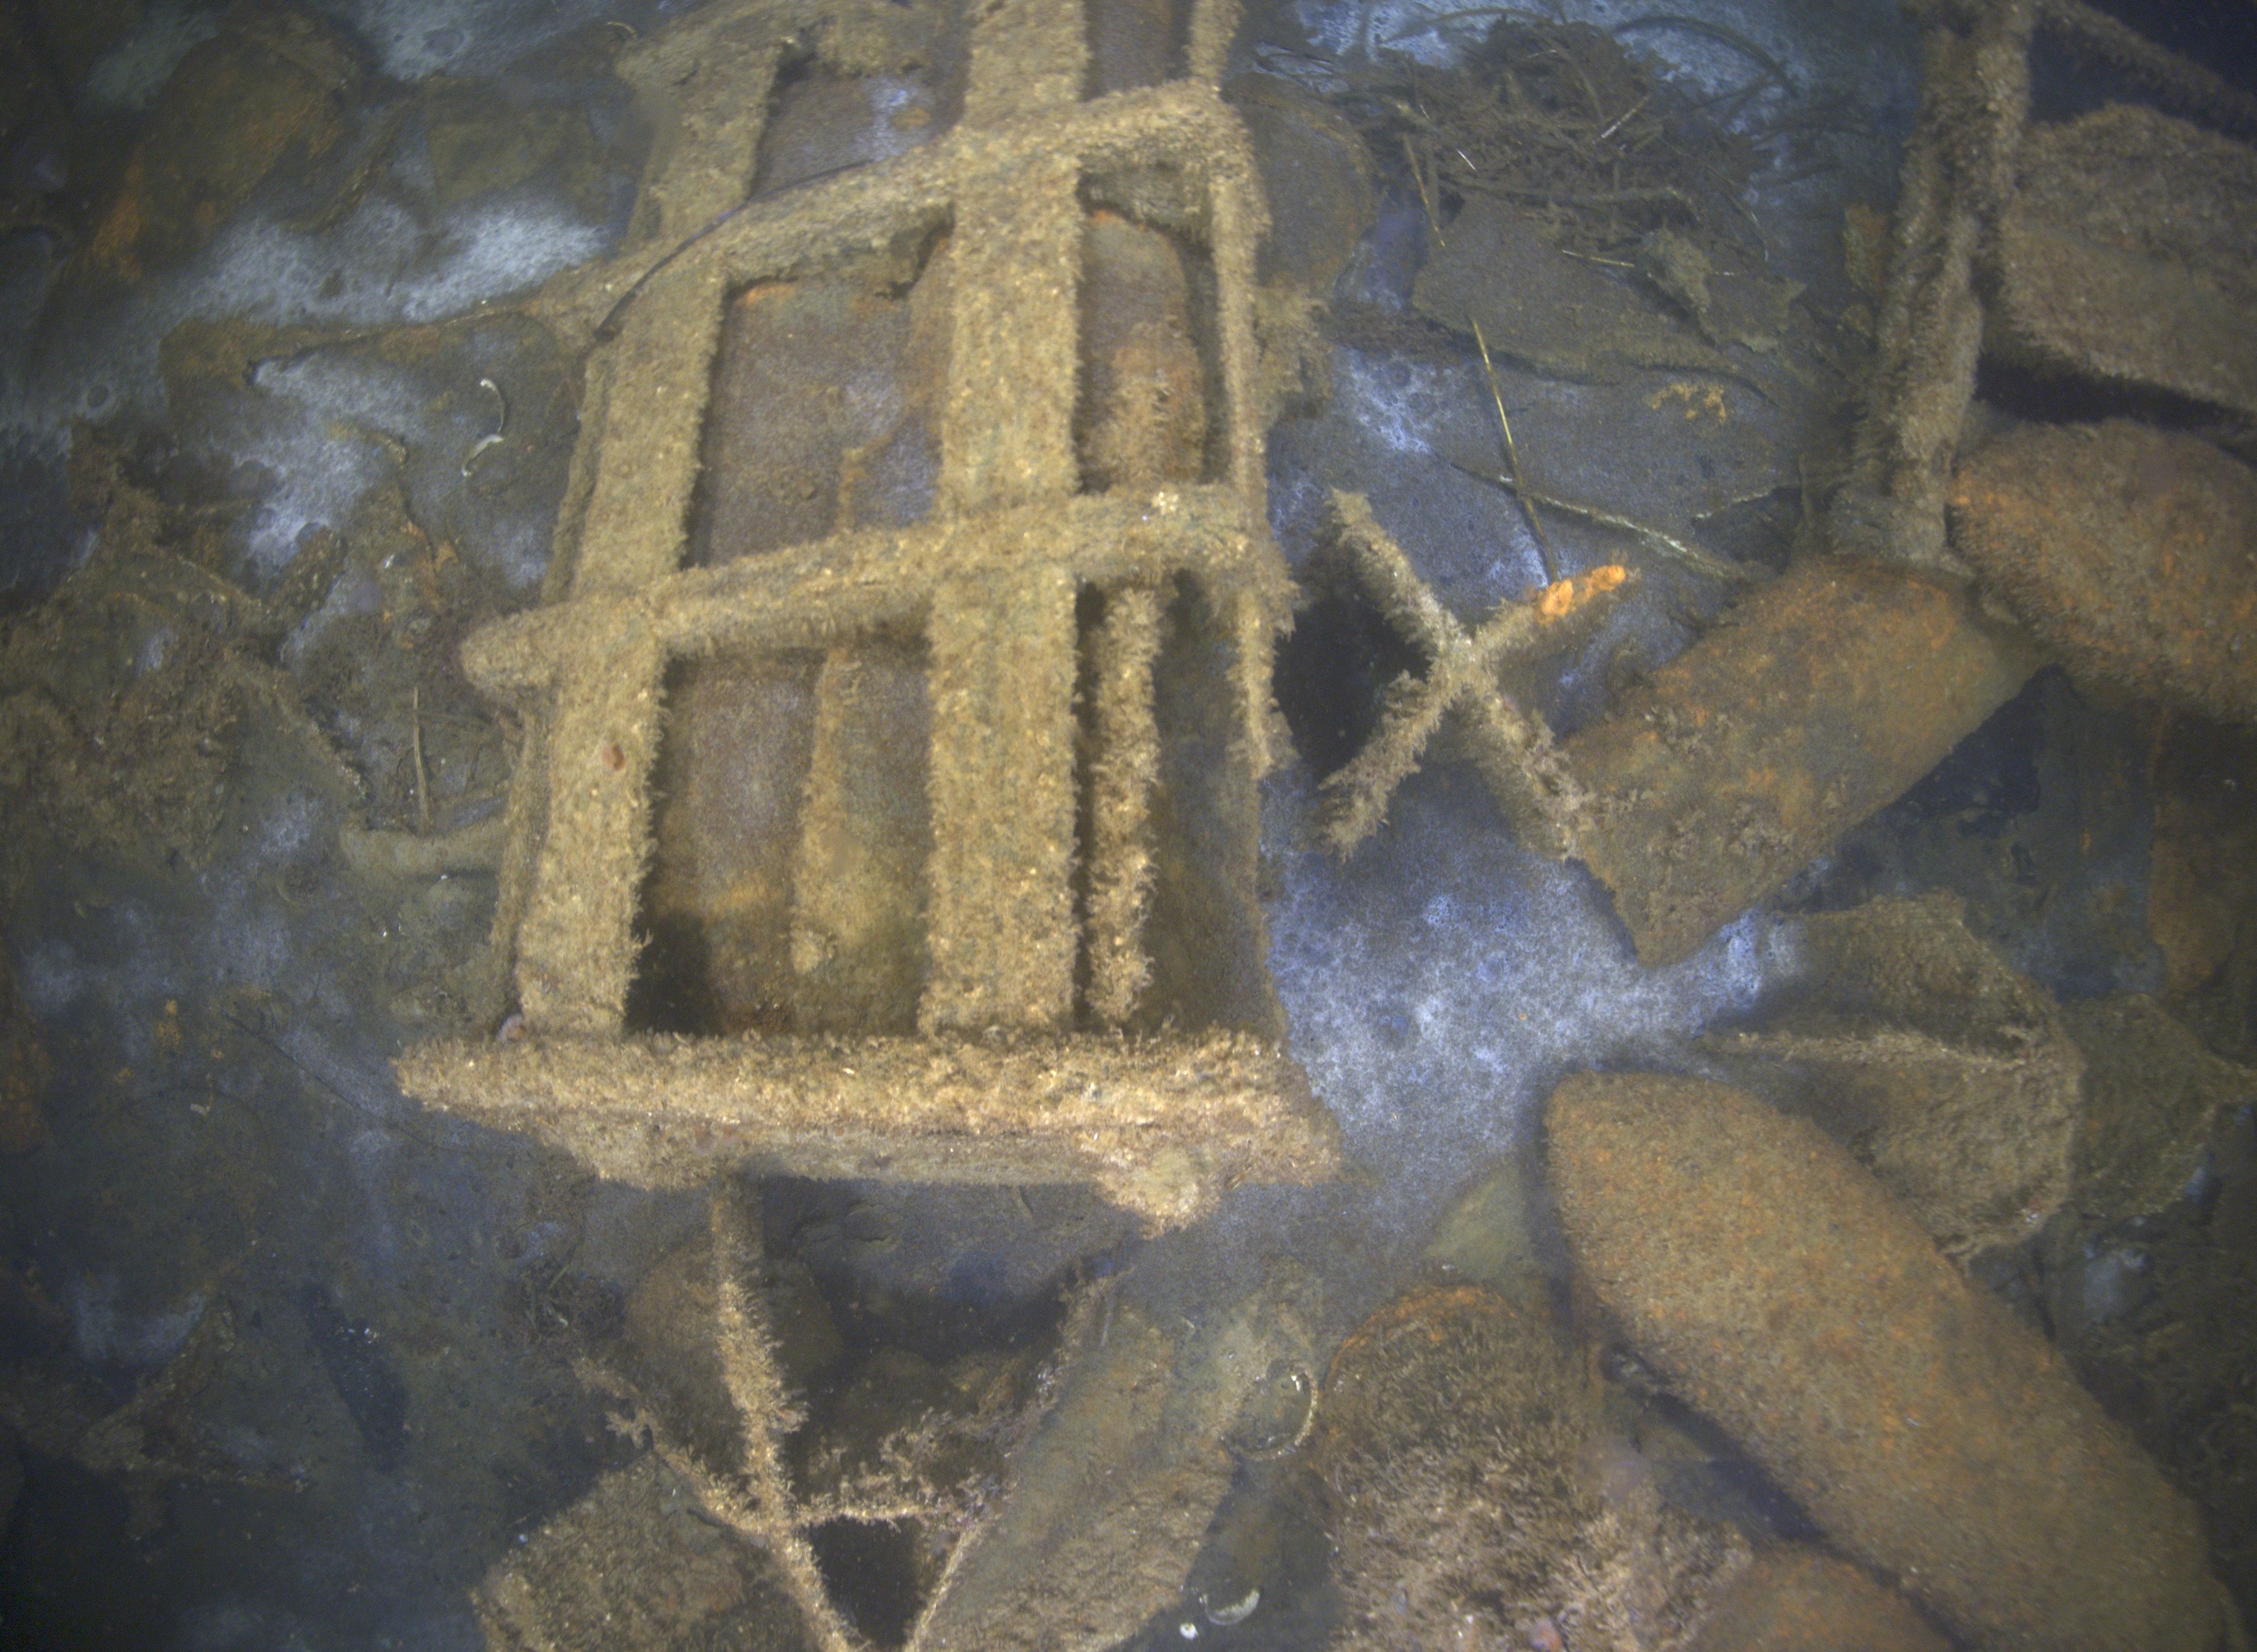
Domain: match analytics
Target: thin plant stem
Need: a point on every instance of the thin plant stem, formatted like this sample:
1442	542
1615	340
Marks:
1512	458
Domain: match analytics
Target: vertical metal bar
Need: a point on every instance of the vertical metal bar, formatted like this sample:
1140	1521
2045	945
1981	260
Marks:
1004	647
576	944
1124	766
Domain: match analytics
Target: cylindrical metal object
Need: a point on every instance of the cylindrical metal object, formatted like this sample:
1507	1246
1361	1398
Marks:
2128	550
1819	700
1927	1429
1796	1600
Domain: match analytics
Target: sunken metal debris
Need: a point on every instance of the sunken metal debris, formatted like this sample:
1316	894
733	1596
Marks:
1133	1437
2154	1096
2126	255
1464	1463
1823	697
1803	1599
1106	1506
1828	694
1510	745
1926	1430
2114	247
613	1572
2126	550
1035	1052
1958	171
1952	1077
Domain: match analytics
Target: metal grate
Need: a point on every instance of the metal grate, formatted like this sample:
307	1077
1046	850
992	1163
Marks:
1027	1061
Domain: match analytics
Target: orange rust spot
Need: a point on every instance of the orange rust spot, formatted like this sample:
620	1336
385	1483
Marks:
612	758
1563	596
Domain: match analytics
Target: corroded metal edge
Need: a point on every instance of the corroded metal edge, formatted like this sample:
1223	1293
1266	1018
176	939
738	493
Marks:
1161	1126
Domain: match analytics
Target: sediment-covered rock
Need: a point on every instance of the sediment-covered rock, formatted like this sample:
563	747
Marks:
1925	1429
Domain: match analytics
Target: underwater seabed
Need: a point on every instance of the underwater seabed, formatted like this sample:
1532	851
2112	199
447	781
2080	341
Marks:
1265	956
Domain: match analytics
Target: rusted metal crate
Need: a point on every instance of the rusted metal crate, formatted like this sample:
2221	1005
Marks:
1004	884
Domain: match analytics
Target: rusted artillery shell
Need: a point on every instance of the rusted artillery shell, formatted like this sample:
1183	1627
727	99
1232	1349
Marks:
2131	552
1799	1600
1927	1430
1819	700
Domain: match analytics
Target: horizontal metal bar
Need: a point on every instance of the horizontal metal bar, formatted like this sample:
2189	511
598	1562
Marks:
812	595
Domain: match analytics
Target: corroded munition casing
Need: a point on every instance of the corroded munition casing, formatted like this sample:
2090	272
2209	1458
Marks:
1797	1599
1926	1430
2127	550
1821	698
1475	1499
1109	1499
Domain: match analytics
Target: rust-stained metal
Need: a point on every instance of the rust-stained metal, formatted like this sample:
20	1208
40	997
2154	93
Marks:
2127	550
1927	1431
1510	745
1823	697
